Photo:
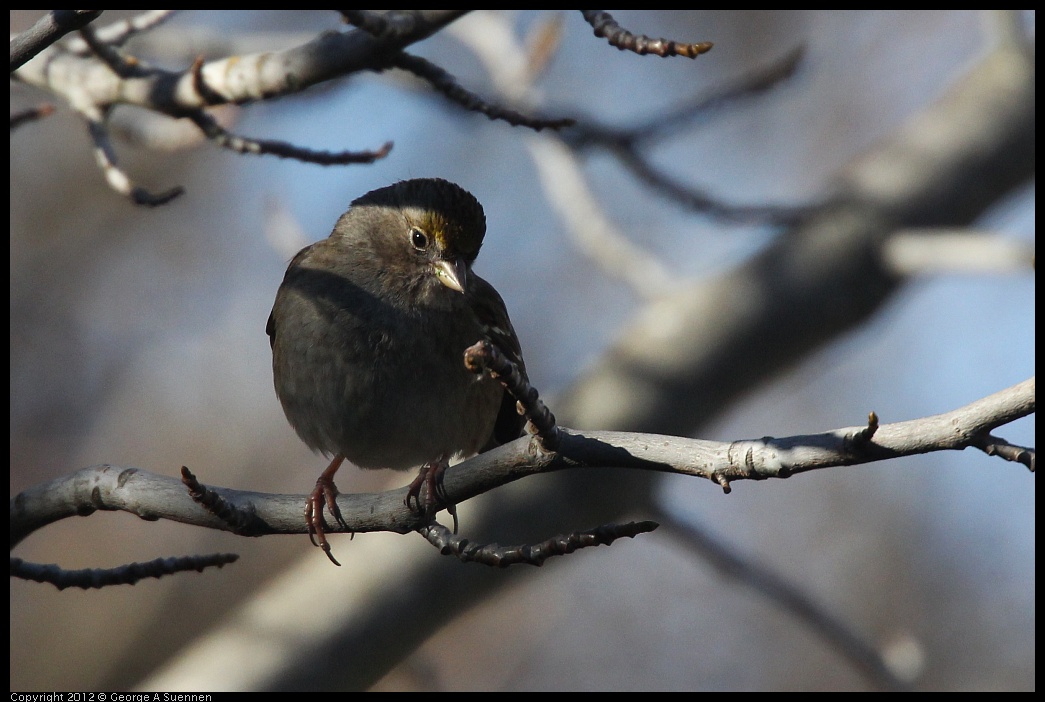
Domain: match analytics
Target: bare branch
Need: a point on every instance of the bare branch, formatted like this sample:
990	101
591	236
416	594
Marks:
592	232
117	33
391	23
498	556
994	446
787	595
605	26
115	177
240	520
565	186
46	31
225	139
626	143
448	86
31	115
157	497
694	111
123	66
940	250
484	357
94	83
824	275
236	79
130	574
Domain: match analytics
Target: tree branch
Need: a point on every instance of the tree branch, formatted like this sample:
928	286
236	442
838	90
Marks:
46	31
151	497
98	77
827	273
236	79
606	27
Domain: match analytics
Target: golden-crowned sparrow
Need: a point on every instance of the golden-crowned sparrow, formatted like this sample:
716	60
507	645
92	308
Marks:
368	333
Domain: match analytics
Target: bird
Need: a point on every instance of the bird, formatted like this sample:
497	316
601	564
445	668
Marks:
368	332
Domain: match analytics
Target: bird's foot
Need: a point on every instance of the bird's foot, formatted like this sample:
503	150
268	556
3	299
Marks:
325	493
430	477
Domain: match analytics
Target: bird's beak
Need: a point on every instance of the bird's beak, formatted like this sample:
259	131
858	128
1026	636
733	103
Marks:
452	273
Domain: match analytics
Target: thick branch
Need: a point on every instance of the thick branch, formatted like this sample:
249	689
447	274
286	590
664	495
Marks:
237	79
154	497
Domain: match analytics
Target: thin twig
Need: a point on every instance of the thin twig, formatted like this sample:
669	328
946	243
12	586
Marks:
123	66
227	140
486	357
31	115
789	596
448	86
605	26
115	177
129	574
499	556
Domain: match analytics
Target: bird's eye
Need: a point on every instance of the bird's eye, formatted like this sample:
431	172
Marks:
419	239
